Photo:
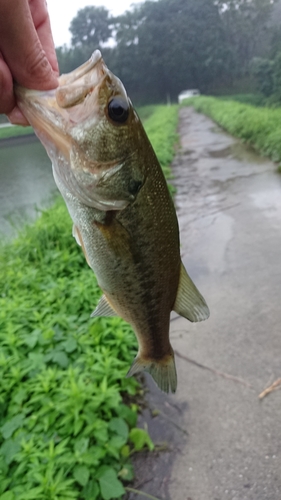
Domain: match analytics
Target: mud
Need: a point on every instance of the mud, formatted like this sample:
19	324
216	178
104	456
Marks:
223	442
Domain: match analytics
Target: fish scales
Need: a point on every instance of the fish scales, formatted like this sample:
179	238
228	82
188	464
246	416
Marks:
123	215
134	285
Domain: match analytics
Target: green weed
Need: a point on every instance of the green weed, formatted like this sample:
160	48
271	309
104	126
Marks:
260	127
64	428
253	99
14	131
161	128
65	432
145	112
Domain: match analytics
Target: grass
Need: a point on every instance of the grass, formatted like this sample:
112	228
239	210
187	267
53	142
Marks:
14	131
145	112
161	128
253	99
67	413
260	127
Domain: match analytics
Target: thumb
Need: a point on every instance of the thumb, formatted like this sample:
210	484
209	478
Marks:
21	47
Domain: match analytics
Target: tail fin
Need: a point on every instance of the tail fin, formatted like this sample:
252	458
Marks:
163	371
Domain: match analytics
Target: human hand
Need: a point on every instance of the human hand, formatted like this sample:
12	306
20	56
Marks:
27	52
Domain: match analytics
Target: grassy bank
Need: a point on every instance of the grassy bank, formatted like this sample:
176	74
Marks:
260	127
65	430
161	128
14	131
252	99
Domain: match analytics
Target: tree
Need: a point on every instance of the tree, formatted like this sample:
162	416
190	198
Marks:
165	46
90	27
70	58
245	24
262	70
171	45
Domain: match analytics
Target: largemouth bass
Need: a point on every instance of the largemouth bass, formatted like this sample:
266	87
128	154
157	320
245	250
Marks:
123	215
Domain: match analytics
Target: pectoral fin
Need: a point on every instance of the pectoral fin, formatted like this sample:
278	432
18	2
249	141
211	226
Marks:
189	302
103	308
77	235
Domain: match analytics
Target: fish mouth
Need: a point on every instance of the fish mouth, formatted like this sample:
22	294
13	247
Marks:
75	86
55	114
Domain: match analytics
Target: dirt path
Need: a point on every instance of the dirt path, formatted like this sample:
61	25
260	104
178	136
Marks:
223	442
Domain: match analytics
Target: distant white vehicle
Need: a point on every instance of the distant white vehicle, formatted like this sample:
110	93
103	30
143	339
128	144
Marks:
185	94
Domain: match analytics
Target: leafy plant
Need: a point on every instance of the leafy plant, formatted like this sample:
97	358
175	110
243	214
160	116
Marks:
62	374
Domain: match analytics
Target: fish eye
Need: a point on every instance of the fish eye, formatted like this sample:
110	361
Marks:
118	110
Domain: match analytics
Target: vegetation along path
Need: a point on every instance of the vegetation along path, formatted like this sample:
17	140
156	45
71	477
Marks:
223	440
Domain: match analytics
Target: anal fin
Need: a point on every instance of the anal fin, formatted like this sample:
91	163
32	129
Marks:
103	308
189	302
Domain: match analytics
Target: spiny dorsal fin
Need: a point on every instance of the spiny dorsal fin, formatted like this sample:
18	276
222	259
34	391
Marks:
189	302
103	308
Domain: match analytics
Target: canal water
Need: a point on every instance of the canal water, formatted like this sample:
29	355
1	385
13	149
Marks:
26	183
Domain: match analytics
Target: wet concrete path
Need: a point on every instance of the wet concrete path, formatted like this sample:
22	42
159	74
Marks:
223	442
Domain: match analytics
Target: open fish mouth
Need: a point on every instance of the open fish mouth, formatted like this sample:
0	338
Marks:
75	86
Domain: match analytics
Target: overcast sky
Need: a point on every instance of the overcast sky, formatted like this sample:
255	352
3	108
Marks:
62	12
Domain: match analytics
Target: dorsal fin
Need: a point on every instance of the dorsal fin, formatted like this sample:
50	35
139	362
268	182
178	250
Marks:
103	308
189	302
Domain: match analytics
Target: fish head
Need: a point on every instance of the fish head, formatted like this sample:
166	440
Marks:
91	133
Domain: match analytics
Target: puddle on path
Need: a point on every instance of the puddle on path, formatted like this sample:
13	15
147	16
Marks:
212	235
269	201
212	178
239	151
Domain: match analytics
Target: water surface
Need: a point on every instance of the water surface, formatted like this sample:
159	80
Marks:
26	182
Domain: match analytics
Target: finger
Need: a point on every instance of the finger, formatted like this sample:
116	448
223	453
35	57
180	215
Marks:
41	20
7	99
21	47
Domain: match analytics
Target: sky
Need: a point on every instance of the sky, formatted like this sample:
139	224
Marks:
62	12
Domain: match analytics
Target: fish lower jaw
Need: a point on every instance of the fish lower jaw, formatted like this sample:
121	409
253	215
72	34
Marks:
107	205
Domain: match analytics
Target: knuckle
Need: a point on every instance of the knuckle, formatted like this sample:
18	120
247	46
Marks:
36	64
